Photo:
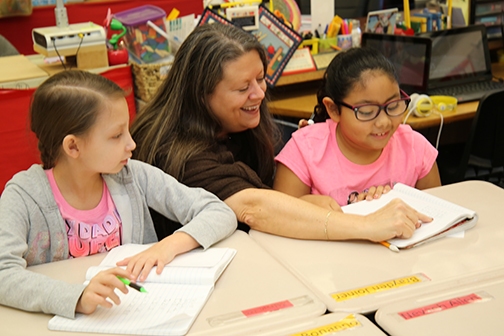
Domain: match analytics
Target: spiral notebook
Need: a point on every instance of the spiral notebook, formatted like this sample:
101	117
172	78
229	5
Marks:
172	302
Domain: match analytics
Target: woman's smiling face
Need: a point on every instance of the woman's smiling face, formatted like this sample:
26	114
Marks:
237	97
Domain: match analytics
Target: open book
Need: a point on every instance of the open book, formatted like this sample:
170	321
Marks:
449	218
172	302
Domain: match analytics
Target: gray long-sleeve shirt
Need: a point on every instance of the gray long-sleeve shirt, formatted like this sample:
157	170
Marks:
32	230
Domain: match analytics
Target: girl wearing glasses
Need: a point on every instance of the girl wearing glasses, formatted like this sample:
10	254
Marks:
362	149
209	126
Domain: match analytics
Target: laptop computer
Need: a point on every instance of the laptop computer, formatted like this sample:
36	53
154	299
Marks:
410	56
460	64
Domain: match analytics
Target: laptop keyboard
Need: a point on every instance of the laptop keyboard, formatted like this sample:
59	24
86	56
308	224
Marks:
468	92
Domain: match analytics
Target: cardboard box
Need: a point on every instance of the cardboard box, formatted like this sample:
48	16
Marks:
19	67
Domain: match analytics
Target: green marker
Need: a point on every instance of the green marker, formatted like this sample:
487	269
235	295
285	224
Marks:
132	284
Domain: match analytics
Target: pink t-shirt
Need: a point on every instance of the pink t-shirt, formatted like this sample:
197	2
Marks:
314	156
89	231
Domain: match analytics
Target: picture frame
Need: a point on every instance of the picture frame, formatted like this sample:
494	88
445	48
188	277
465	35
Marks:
279	41
382	21
209	16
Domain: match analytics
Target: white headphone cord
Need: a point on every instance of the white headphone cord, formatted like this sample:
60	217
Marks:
440	128
407	115
440	125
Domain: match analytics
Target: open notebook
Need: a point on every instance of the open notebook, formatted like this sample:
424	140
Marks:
174	298
449	218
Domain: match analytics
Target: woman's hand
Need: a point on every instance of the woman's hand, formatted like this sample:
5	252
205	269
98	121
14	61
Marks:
395	220
102	287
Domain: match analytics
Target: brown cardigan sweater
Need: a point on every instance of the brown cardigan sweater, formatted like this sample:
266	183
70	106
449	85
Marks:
224	169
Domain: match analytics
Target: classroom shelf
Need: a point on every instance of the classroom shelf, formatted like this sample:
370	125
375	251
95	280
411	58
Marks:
490	14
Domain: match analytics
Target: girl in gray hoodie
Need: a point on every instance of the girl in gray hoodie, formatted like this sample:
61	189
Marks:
88	196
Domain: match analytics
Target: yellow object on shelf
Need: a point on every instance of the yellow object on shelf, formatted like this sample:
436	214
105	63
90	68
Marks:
313	42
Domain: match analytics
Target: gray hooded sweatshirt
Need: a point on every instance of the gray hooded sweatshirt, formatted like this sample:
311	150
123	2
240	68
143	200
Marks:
33	232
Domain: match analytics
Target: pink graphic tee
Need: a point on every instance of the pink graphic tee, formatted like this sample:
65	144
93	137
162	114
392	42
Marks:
314	156
89	231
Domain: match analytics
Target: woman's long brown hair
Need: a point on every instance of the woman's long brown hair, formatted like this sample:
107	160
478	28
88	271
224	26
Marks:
178	124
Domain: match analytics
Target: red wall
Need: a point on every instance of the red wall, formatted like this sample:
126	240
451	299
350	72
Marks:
17	30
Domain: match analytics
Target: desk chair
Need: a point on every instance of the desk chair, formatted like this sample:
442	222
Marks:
482	156
6	48
286	130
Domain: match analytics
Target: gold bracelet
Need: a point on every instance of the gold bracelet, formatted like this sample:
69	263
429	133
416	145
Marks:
325	225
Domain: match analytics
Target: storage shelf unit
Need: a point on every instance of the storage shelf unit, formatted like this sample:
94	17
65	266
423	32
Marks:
490	13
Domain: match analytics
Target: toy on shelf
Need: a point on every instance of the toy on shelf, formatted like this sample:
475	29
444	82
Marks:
116	25
115	55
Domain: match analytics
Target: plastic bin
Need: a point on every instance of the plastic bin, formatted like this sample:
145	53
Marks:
143	41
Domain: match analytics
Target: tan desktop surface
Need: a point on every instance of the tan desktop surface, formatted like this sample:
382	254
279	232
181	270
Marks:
19	67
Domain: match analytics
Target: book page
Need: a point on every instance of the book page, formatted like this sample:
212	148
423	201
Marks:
195	258
164	310
194	267
444	213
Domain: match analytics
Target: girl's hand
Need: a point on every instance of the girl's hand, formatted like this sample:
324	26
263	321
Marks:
395	220
159	254
303	122
102	287
141	264
373	193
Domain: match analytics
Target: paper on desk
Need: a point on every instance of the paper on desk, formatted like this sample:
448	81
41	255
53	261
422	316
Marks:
164	310
195	258
457	235
194	267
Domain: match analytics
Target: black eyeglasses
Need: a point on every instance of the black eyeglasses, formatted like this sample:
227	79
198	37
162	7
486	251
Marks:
367	112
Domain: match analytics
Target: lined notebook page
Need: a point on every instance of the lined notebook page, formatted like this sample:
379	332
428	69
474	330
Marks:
444	213
164	310
173	301
197	267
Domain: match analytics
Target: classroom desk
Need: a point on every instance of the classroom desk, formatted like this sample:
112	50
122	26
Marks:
300	102
338	267
253	279
340	324
430	313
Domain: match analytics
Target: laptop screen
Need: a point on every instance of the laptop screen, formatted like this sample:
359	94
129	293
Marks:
408	54
459	56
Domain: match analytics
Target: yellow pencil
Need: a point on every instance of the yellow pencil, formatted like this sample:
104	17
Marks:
390	246
449	16
407	21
